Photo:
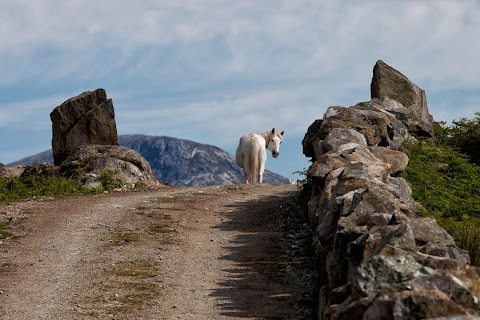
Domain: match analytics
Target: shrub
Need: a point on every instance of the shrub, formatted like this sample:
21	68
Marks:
108	181
443	181
446	183
464	136
304	189
13	189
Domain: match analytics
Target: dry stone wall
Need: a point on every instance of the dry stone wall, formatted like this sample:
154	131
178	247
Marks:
378	258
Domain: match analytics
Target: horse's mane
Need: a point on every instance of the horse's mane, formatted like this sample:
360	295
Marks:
267	135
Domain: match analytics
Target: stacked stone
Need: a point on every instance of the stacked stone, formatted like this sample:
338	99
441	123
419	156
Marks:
378	258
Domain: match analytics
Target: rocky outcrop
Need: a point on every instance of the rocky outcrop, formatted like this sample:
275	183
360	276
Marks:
11	172
402	97
85	145
88	118
122	167
378	258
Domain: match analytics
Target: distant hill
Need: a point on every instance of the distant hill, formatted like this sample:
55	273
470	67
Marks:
44	156
179	162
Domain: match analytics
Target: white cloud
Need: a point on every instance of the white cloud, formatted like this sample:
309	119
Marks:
193	68
37	111
225	120
218	39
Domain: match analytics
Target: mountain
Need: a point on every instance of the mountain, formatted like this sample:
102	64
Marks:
179	162
44	156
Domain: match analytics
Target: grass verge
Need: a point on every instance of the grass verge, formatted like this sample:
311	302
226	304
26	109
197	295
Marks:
14	189
446	183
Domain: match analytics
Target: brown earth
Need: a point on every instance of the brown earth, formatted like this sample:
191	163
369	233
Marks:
224	252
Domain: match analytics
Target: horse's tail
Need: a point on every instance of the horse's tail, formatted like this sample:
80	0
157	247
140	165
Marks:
254	164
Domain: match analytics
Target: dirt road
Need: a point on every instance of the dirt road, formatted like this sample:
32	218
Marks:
191	253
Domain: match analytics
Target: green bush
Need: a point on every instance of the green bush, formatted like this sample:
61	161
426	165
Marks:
464	136
108	181
443	181
446	182
13	189
304	188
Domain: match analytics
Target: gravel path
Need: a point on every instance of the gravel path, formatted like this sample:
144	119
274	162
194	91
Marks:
177	253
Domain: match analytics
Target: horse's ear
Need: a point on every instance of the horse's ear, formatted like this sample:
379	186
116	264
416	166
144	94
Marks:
273	130
282	132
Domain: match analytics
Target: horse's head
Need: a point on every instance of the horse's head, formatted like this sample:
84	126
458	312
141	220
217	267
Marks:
275	138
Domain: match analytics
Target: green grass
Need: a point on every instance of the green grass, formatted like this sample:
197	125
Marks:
124	237
108	181
14	189
446	183
4	231
136	268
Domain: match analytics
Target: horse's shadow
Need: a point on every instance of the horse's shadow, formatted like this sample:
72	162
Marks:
256	285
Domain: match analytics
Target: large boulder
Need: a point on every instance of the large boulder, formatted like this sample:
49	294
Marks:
10	172
95	165
402	97
88	118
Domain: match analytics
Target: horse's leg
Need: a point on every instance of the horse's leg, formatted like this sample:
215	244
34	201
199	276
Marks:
245	176
247	171
260	172
262	159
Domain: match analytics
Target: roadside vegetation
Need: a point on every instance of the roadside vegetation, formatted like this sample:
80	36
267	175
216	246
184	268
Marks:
50	185
34	186
4	231
14	189
445	178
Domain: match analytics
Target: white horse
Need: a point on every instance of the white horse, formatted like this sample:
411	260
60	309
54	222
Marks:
251	153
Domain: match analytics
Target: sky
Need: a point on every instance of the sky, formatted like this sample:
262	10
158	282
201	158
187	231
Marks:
213	70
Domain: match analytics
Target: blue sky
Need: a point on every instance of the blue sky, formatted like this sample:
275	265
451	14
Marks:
212	70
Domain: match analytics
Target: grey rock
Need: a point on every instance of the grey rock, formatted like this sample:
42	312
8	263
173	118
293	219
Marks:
399	242
413	304
383	272
411	102
125	166
398	160
340	136
447	283
11	171
354	176
88	118
373	124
